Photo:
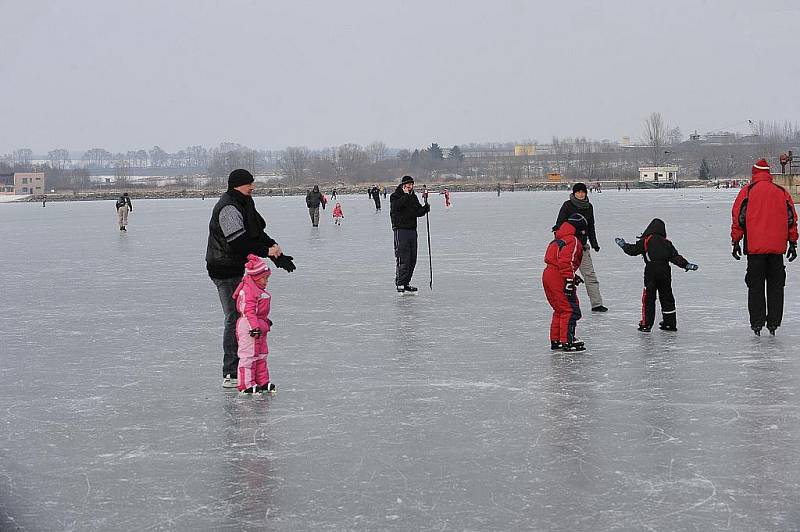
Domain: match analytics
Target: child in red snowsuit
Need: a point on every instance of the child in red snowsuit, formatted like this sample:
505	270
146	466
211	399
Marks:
253	304
563	257
337	214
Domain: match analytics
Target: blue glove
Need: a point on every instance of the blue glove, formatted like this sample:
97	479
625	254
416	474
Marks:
620	242
690	266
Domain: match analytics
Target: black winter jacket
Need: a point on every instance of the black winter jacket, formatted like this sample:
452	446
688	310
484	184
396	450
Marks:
405	209
314	199
227	259
568	209
655	249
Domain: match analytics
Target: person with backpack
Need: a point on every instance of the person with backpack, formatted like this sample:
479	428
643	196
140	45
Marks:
764	220
657	253
124	207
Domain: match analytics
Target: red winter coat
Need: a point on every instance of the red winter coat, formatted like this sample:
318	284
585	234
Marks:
764	215
565	259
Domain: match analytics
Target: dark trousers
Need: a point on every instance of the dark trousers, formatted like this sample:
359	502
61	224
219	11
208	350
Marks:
405	251
769	270
230	347
658	283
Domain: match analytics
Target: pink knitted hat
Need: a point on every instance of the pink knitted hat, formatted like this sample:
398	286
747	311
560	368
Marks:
256	267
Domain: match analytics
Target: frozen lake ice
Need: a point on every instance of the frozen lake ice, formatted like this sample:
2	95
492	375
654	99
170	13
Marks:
441	411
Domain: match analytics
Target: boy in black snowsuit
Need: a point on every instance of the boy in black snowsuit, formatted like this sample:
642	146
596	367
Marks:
657	253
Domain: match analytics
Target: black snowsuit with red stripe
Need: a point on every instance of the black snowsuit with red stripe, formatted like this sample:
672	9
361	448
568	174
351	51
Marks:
657	253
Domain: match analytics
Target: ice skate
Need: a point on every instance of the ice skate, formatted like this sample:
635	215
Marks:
269	388
573	347
665	327
600	308
756	330
771	330
230	382
400	289
409	288
251	391
645	328
555	345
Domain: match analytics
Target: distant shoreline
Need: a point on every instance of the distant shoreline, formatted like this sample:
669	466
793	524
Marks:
263	190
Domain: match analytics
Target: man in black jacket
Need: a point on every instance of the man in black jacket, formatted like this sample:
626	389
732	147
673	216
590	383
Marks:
314	199
124	207
578	202
404	209
235	230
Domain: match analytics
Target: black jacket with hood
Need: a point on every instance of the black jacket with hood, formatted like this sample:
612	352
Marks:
655	249
405	209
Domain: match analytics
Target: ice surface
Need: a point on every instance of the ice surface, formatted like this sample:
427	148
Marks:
444	411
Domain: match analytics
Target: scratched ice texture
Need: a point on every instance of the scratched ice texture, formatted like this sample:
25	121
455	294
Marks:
441	411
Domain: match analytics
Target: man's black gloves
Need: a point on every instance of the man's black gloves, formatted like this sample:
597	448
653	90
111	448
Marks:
737	251
427	208
285	262
791	254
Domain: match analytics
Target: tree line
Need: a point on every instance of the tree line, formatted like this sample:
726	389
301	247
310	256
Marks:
712	156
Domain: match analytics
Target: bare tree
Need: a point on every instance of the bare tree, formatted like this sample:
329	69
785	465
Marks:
292	163
376	151
352	160
655	136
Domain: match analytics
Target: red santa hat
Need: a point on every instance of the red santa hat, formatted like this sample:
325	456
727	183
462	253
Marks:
256	267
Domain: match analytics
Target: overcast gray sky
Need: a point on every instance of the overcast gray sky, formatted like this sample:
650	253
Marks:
132	74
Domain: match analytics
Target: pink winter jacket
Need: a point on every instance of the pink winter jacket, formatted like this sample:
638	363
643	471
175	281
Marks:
253	304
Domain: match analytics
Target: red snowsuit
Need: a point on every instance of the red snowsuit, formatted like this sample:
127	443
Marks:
563	257
253	304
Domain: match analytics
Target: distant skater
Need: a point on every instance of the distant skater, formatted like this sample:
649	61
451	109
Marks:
124	207
375	194
657	253
498	190
333	194
446	198
253	303
560	280
338	215
764	217
44	200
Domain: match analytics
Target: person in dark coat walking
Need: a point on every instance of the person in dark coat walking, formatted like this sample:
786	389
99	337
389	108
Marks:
314	199
578	203
375	194
764	216
657	253
404	210
236	230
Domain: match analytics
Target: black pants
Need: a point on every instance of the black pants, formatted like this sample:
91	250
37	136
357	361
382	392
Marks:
658	281
769	270
405	251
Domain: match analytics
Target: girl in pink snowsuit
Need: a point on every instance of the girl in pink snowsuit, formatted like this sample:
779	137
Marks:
337	214
253	303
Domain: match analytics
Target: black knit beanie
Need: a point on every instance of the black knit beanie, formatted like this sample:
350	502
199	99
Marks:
579	186
239	177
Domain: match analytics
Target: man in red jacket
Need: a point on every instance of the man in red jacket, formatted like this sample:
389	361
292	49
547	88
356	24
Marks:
764	216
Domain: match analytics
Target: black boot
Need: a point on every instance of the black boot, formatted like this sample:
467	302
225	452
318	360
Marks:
573	347
409	288
756	330
645	328
667	327
555	345
771	330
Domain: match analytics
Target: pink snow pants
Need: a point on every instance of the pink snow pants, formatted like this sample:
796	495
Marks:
252	356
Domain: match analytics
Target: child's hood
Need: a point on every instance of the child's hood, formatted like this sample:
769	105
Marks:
656	227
